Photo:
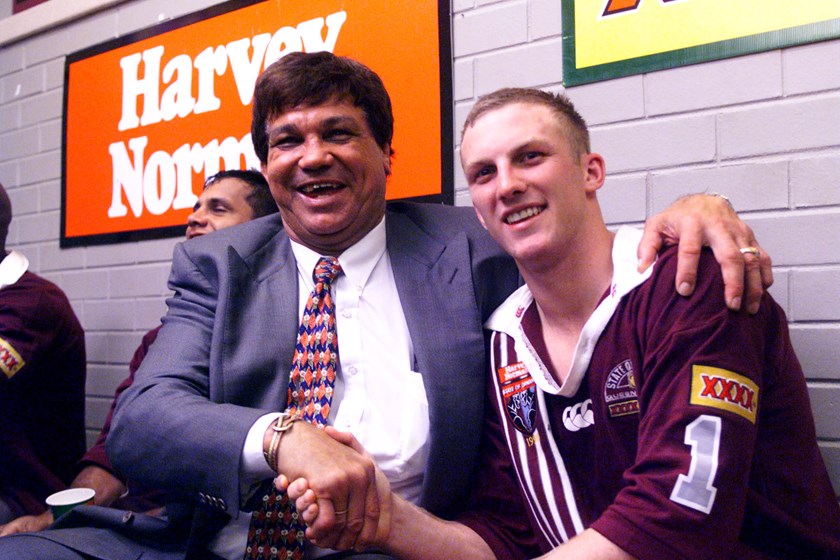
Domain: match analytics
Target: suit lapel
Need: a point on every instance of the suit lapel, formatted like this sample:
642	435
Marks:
263	310
434	281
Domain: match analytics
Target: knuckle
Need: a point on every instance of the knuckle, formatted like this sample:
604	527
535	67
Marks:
354	526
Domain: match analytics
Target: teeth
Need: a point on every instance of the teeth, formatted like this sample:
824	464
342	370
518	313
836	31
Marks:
519	216
310	189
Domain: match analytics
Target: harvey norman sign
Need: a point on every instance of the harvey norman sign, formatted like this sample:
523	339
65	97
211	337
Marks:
149	116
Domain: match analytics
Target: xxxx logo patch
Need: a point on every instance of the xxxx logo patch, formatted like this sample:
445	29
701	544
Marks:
725	390
10	360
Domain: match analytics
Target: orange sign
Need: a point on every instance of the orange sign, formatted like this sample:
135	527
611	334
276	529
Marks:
149	116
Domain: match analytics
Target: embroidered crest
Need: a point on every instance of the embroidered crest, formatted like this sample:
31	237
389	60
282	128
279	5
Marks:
520	396
620	390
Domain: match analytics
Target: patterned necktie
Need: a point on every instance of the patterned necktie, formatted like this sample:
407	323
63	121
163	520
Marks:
276	532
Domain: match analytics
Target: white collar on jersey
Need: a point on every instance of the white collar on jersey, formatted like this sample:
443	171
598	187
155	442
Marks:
508	317
12	268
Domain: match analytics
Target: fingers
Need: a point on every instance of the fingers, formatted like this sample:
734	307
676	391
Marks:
27	524
688	258
651	243
370	520
752	275
345	438
362	514
766	268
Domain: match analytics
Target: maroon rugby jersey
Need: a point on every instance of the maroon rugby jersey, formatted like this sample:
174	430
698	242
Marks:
42	388
683	430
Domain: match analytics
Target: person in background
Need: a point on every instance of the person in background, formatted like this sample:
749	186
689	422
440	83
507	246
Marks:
622	421
42	383
229	198
411	284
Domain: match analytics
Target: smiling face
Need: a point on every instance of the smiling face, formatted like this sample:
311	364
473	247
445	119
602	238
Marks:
529	188
327	174
223	203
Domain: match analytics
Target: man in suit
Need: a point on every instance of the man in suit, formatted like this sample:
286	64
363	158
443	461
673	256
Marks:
417	282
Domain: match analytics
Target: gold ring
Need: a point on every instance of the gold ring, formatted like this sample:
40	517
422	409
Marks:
750	250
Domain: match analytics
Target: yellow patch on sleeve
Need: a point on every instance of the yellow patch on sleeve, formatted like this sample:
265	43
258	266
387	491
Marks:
10	360
725	390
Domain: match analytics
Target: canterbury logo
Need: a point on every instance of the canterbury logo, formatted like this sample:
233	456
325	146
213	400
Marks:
578	416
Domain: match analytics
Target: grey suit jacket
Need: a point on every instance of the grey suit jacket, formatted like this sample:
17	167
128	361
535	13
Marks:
223	356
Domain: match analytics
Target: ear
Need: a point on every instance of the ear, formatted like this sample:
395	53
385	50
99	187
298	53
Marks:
263	170
386	159
595	170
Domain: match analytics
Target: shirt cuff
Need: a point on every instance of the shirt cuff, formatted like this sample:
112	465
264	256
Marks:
254	468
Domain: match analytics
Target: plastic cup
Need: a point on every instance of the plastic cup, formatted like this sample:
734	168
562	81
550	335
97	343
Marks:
62	502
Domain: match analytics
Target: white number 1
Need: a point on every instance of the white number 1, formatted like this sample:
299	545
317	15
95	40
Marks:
696	490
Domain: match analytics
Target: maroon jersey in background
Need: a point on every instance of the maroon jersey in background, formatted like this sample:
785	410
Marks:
42	392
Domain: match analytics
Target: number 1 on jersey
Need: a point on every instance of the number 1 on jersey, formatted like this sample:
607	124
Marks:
696	489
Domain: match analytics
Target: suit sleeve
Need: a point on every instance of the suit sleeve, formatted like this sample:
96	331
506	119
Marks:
96	455
171	428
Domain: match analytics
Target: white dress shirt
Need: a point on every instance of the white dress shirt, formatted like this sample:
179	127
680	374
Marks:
376	360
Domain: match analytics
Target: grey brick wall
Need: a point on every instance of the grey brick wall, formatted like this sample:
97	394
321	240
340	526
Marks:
763	129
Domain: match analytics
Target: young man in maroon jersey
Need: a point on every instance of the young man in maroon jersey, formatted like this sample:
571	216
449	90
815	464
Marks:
622	421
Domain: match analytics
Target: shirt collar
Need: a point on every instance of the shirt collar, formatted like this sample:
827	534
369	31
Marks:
357	261
12	268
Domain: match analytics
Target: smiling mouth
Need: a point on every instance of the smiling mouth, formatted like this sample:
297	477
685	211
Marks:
318	189
517	217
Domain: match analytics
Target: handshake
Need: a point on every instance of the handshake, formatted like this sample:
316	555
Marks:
346	505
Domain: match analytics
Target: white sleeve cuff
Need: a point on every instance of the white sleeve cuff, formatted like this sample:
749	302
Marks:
254	468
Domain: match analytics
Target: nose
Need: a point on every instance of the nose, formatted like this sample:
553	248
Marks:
509	181
196	218
315	154
196	221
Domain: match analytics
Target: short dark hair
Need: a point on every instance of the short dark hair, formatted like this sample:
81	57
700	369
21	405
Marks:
5	217
259	199
308	79
577	131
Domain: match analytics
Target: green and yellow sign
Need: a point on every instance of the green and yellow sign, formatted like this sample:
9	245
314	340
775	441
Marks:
605	39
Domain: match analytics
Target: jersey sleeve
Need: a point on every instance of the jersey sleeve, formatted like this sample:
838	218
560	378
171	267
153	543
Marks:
700	387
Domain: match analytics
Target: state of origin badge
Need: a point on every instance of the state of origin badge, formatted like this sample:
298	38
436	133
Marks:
520	396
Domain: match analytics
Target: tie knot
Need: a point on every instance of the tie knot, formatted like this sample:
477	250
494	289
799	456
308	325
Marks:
326	270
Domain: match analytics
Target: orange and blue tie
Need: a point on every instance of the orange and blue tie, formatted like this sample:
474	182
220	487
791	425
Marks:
276	532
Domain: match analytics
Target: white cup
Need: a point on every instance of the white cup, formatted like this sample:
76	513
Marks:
62	502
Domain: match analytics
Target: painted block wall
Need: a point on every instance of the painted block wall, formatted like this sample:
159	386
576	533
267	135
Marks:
763	129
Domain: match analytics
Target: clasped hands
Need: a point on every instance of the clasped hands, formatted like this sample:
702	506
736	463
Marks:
340	494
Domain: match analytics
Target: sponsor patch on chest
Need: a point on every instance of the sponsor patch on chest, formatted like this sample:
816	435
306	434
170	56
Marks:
519	394
725	390
10	360
620	390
